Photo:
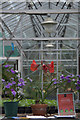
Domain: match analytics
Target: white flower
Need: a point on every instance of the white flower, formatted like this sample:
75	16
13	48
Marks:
16	71
29	79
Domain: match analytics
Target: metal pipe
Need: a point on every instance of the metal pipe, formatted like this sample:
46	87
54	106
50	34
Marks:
48	50
39	12
42	60
41	39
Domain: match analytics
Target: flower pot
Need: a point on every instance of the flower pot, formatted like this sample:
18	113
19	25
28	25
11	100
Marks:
39	109
10	109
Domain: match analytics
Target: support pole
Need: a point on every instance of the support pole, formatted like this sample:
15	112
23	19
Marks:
42	60
21	52
57	57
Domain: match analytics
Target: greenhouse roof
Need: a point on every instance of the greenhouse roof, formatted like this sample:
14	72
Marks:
21	23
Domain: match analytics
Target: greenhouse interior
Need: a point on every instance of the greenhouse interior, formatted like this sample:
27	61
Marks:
39	59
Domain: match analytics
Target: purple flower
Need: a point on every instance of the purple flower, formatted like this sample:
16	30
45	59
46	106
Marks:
77	87
78	82
13	92
67	77
8	70
10	84
12	78
54	79
23	83
7	86
55	82
6	66
13	82
19	84
79	76
73	79
69	81
3	80
12	89
12	71
62	77
72	75
21	80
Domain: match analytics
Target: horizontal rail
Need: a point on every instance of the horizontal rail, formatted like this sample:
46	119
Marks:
45	50
40	39
10	58
48	60
39	12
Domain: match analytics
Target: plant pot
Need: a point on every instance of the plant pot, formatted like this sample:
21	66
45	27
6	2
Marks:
10	109
39	109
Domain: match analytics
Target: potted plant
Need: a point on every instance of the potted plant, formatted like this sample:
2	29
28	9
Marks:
66	83
41	91
12	89
71	83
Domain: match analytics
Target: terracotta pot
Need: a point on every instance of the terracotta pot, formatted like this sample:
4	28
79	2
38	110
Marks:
39	109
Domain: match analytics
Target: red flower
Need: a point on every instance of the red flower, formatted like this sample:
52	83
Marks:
44	67
51	67
34	66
